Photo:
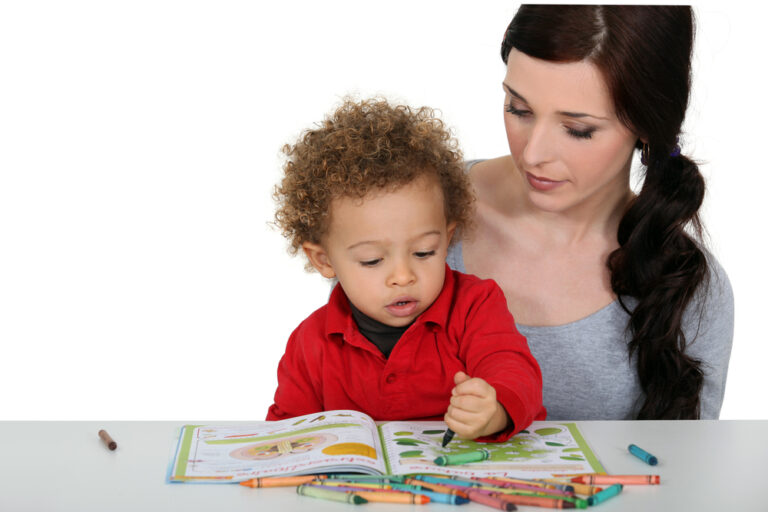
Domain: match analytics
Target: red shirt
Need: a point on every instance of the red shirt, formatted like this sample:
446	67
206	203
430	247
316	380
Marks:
328	364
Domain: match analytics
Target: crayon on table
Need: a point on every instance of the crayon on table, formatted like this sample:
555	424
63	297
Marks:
346	488
361	485
437	487
560	485
448	480
642	455
618	479
525	487
379	495
447	437
361	478
608	493
108	441
435	497
280	481
490	501
587	490
578	502
463	458
394	497
325	494
538	501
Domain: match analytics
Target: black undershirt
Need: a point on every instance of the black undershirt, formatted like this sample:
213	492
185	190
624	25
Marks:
382	335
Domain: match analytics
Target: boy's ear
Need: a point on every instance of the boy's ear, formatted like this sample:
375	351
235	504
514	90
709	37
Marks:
318	258
451	230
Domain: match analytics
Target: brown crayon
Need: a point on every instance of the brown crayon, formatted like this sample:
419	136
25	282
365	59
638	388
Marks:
111	444
280	481
618	479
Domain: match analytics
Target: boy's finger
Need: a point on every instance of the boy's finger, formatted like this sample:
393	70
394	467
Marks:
476	387
461	422
460	377
469	403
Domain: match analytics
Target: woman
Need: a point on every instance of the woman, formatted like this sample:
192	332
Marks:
626	313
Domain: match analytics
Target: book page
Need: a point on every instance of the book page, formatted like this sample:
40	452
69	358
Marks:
315	443
543	449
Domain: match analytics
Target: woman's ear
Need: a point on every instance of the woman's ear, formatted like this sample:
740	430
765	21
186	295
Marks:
318	258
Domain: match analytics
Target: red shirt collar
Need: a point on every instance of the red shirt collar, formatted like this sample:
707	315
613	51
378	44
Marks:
339	316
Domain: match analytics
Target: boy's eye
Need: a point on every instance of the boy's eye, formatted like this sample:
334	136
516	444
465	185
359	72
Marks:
424	254
370	263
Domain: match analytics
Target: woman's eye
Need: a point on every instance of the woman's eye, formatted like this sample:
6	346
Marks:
580	134
424	254
516	111
370	263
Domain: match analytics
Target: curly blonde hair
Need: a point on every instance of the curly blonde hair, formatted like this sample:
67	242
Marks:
363	147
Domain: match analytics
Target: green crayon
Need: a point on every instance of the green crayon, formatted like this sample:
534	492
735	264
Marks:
463	458
325	494
608	492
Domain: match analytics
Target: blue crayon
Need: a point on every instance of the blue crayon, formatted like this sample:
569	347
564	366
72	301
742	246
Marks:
643	455
608	492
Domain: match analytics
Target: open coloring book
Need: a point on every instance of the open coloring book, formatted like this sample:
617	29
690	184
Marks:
351	442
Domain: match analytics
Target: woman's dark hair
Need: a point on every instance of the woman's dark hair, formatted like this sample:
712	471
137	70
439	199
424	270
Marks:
644	55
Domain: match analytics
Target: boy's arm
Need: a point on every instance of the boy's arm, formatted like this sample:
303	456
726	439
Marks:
494	350
297	392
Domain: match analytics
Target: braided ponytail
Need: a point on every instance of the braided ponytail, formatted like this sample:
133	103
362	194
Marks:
660	265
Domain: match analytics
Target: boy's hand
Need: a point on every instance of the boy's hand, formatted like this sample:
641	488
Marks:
474	410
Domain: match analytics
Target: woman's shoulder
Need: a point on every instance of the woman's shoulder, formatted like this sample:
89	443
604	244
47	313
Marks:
494	181
487	169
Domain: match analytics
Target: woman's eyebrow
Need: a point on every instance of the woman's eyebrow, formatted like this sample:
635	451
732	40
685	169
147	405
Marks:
559	112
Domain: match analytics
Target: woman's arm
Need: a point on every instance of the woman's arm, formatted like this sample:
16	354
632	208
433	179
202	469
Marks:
708	328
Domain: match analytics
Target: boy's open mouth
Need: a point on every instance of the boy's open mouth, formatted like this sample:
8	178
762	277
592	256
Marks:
403	306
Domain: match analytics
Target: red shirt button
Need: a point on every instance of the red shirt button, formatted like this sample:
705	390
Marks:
391	378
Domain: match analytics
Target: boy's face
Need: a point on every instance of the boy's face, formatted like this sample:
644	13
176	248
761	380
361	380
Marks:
388	250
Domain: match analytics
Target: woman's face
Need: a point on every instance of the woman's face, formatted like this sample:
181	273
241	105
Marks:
565	138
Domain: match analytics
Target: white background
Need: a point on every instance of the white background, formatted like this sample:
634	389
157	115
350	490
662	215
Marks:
139	144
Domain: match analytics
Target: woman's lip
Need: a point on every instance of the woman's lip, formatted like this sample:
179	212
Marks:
542	184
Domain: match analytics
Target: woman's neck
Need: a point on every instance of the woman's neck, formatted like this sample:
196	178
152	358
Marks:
597	216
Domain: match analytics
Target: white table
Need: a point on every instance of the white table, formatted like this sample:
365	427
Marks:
64	466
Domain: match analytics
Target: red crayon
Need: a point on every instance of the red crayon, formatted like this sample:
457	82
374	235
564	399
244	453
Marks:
490	501
617	479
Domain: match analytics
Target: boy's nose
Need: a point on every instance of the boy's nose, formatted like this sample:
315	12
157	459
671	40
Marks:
401	274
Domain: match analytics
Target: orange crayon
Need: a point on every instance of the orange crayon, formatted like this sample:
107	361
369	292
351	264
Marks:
536	501
280	481
394	497
618	479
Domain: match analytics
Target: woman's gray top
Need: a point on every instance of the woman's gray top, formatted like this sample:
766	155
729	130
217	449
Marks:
585	364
